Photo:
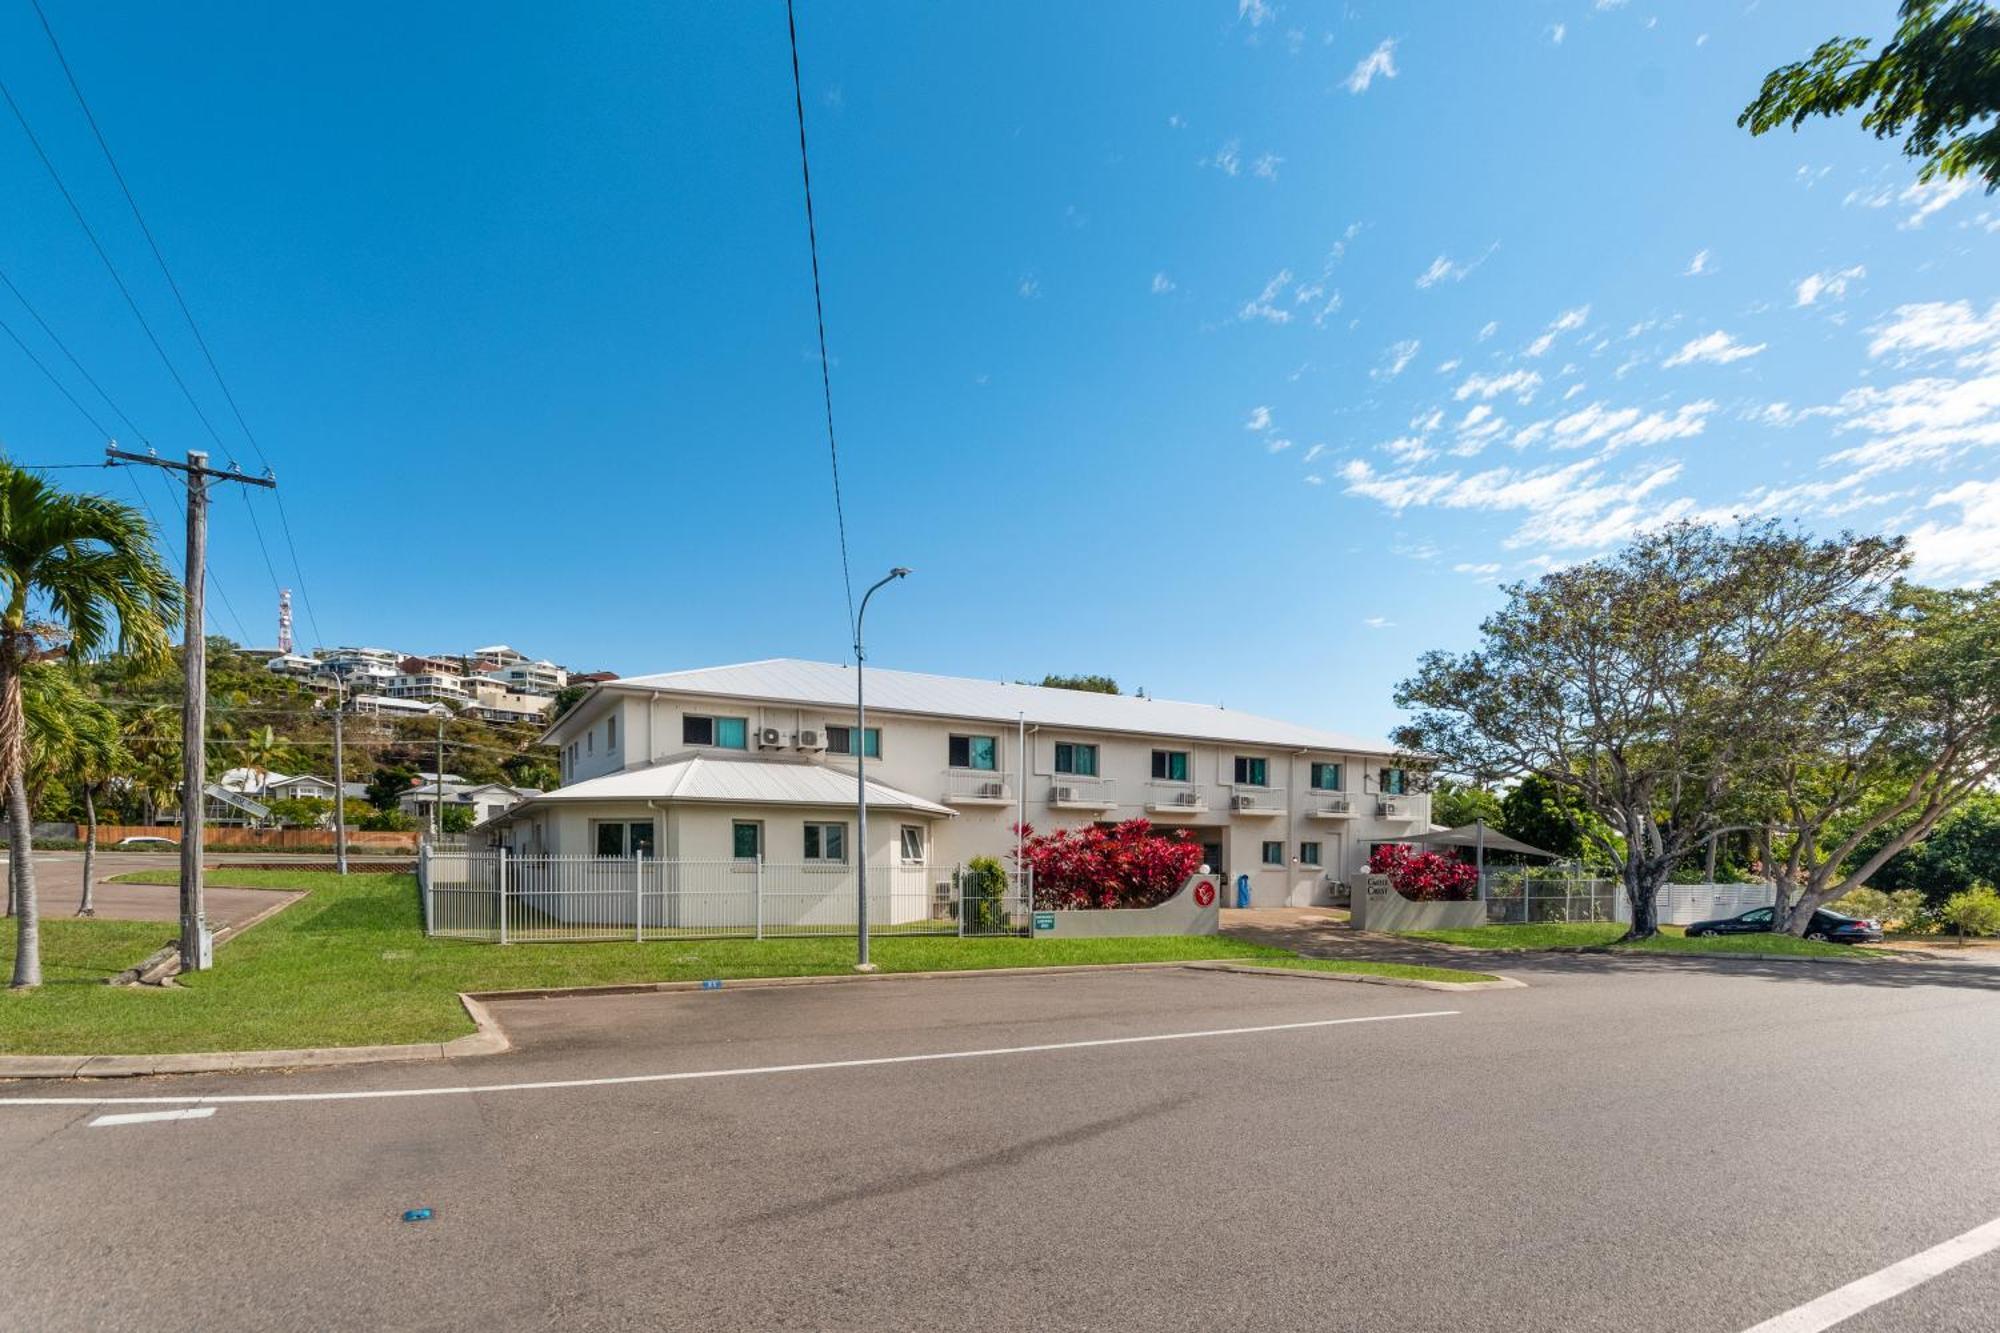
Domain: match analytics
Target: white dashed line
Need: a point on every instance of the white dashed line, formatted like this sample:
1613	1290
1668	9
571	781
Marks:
1862	1293
147	1117
210	1100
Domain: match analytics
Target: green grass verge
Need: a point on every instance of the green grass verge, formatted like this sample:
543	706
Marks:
1604	935
349	965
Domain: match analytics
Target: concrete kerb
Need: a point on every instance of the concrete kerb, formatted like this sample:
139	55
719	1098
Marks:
491	1039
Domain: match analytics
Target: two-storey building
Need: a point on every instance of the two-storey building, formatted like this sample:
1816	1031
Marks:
757	760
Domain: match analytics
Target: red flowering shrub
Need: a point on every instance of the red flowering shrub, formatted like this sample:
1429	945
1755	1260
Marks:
1126	866
1424	876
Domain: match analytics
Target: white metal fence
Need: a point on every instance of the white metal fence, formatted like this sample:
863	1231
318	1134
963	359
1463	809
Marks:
1514	897
505	897
1684	904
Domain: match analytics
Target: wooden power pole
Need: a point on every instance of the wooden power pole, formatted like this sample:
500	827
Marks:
194	941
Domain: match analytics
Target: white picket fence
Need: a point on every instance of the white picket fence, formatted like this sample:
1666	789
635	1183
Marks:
505	898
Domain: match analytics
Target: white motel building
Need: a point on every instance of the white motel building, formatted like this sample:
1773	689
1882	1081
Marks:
757	761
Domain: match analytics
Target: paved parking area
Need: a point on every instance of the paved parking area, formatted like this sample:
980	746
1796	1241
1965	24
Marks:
1612	1148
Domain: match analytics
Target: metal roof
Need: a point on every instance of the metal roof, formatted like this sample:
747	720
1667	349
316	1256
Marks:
736	780
831	685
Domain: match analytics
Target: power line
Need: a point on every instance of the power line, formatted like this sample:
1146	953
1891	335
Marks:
63	347
819	313
187	314
61	388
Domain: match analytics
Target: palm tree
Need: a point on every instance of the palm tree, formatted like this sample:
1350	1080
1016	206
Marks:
262	751
152	739
100	756
87	563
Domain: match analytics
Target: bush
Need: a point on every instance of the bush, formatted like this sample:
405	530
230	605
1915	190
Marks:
388	821
982	894
1973	911
1424	876
1126	866
1901	910
458	819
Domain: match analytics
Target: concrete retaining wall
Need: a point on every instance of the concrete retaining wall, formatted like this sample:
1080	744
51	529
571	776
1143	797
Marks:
1377	906
1182	914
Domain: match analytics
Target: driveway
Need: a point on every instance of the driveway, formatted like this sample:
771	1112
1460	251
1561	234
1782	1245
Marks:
1610	1149
59	882
1324	932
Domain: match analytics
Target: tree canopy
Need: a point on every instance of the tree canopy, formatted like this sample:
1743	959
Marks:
1935	86
1090	684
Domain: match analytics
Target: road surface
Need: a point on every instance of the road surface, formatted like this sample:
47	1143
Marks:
1630	1144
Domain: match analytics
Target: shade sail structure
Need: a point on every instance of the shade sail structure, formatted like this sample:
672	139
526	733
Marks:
1471	835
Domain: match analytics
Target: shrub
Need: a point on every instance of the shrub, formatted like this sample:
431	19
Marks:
982	894
1901	910
1973	911
1125	866
388	821
1424	876
458	819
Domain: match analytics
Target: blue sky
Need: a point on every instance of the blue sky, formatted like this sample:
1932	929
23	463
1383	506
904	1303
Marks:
1238	350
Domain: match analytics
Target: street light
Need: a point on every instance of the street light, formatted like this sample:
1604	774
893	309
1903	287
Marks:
860	777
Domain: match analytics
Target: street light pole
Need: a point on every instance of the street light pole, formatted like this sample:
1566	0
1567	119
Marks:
860	777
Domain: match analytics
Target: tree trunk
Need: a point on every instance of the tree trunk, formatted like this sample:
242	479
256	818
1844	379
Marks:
27	914
87	906
1642	890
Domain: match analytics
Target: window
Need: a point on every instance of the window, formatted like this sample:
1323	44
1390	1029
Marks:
589	742
1392	782
1170	765
826	842
1076	760
1274	853
1308	853
840	740
980	752
746	839
610	733
1252	772
727	733
1326	777
625	838
913	844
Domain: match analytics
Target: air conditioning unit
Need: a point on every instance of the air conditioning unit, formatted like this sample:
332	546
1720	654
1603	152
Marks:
1243	803
1063	795
1390	809
1336	805
1188	798
770	738
811	740
993	790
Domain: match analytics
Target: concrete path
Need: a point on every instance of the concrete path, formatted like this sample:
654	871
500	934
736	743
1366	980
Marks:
1641	1148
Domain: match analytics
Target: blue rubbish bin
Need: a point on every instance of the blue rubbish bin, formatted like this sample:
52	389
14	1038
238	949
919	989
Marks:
1242	890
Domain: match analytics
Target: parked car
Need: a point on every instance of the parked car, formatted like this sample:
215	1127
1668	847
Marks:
1826	924
145	840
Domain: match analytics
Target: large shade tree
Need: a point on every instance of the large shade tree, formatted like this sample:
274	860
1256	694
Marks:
1644	686
82	569
1935	86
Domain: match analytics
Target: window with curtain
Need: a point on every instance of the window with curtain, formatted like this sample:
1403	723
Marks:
1076	760
1170	765
978	752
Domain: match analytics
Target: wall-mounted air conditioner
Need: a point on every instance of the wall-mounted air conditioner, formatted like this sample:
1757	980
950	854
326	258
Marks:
1063	795
1243	803
993	790
811	740
1188	798
770	738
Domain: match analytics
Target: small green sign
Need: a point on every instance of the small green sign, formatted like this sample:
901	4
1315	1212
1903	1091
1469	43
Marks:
1045	921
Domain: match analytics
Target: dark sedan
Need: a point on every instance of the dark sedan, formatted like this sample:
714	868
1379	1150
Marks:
1834	927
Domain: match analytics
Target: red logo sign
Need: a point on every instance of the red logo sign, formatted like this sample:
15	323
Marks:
1204	894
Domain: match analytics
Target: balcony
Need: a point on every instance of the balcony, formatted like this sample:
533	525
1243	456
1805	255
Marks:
1257	802
1328	805
1068	792
978	786
1168	799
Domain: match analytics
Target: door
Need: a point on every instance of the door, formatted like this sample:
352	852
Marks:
1211	852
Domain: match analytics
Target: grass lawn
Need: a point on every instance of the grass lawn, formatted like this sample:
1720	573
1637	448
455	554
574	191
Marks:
1599	935
349	965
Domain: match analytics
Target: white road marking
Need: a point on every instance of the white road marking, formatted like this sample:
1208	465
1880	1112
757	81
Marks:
1850	1300
147	1117
467	1090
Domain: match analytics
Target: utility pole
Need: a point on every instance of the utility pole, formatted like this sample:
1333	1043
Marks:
437	806
194	708
339	779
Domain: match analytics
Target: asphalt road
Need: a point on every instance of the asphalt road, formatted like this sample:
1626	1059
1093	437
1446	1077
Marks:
1629	1144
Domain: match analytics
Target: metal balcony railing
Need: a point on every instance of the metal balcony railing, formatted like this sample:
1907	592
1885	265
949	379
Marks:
978	786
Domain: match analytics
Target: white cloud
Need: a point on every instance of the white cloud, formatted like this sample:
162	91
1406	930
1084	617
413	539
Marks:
1573	507
1927	197
1264	305
1030	287
1487	330
1259	419
1446	367
1481	572
1228	159
1442	269
1698	266
1396	359
1566	322
1278	446
1832	284
1266	166
1176	122
1257	12
1966	551
1379	622
1381	62
1162	284
1558	31
1520	383
1716	348
1938	326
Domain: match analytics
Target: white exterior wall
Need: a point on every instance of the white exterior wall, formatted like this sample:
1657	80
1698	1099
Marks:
914	755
